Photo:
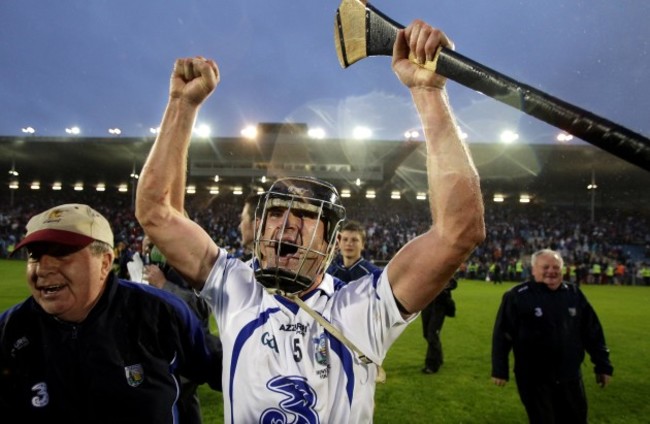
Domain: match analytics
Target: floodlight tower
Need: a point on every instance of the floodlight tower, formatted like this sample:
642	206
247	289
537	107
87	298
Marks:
592	188
134	184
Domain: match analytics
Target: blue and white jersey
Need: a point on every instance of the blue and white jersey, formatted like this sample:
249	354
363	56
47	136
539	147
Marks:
281	366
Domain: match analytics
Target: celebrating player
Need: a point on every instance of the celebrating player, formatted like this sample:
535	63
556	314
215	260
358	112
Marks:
295	344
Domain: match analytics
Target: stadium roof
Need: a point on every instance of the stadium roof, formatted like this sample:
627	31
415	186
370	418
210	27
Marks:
549	173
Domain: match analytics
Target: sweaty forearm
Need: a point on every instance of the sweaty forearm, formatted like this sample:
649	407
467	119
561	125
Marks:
454	186
163	176
422	268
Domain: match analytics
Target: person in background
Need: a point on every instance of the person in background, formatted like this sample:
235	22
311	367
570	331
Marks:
247	226
160	275
86	347
295	343
349	264
549	324
123	255
433	318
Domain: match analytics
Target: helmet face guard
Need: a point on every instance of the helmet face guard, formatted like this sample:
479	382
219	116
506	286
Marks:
306	256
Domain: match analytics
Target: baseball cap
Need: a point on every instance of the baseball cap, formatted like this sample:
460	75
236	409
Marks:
71	224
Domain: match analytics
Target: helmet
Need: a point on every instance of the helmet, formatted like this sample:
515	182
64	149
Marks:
307	256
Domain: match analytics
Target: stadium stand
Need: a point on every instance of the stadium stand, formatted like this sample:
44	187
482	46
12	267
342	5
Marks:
609	226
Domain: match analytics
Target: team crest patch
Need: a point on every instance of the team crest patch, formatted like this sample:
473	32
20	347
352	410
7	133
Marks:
134	375
321	354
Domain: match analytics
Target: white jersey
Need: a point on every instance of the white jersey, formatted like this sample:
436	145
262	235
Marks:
281	366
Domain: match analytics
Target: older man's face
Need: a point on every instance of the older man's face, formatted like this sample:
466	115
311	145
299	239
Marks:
66	282
548	270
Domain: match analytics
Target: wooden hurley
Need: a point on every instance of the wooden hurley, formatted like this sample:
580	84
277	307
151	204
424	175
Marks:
362	31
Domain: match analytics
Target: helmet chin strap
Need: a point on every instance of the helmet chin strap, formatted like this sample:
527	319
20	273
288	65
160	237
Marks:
281	279
381	374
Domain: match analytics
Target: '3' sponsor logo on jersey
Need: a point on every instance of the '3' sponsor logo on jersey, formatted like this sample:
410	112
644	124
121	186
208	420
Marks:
269	340
42	397
299	402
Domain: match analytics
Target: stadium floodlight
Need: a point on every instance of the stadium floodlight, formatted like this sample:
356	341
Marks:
73	131
564	137
191	189
13	185
13	172
316	133
57	186
498	198
346	193
28	130
370	194
361	133
35	185
79	187
216	178
203	131
114	131
123	188
396	195
421	196
509	137
358	182
238	191
524	198
260	190
214	190
263	179
249	132
100	187
411	135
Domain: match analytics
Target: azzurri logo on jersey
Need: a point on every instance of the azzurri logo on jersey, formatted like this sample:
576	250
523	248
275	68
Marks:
19	344
298	405
297	327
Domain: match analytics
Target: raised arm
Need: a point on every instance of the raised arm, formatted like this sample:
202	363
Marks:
420	270
160	194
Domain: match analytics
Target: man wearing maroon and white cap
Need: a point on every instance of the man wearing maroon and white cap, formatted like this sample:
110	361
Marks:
72	224
70	256
86	346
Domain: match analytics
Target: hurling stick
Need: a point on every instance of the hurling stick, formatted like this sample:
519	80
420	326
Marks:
361	31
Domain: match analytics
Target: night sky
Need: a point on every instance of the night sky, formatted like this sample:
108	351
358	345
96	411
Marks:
101	64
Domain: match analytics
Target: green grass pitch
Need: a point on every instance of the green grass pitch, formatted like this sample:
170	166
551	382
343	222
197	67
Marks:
461	392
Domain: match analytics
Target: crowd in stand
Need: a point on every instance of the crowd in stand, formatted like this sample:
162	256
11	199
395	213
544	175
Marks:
613	249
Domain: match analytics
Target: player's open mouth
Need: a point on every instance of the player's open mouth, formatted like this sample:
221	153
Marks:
287	249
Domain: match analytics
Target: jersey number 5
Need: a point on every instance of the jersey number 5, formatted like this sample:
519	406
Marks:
297	351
